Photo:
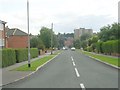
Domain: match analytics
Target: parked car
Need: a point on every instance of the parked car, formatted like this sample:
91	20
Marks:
73	48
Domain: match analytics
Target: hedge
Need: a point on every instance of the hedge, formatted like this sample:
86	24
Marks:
108	47
12	56
34	52
8	57
99	47
22	54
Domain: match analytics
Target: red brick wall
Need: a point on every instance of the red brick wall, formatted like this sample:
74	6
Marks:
17	42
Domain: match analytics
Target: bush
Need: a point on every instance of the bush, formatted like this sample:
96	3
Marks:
34	52
22	54
8	57
89	49
99	47
110	46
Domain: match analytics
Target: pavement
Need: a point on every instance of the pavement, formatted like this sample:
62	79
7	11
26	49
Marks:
9	75
71	69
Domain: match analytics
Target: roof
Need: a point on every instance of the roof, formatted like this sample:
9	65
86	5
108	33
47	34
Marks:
16	32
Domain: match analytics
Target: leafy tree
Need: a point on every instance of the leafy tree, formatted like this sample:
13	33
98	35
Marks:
110	32
85	36
45	35
77	44
34	42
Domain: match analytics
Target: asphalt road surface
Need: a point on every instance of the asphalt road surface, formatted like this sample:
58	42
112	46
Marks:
71	69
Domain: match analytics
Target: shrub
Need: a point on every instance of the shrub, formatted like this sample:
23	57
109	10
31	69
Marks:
8	57
89	49
22	54
34	52
99	47
111	46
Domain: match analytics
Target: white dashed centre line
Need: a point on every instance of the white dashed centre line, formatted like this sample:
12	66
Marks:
72	58
73	63
77	73
82	86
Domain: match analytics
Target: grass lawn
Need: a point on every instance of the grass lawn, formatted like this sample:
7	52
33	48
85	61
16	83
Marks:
36	63
110	60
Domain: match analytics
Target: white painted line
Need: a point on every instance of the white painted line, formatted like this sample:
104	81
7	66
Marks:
82	86
73	63
72	58
77	73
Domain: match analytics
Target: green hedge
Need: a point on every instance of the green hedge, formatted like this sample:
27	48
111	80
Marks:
108	47
12	56
99	47
8	57
22	54
34	52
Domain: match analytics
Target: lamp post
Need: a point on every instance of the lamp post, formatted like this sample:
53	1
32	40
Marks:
51	38
29	65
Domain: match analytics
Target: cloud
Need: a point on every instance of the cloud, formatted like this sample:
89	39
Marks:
65	14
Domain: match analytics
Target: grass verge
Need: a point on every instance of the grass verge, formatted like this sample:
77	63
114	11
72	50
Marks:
110	60
36	63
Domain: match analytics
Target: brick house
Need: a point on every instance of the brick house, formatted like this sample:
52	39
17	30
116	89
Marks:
16	38
2	34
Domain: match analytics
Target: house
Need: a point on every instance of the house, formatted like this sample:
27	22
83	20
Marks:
2	34
16	38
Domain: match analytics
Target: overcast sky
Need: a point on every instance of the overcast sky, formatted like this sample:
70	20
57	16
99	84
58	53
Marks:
66	15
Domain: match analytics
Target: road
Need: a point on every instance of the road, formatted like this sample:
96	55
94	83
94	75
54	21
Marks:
71	69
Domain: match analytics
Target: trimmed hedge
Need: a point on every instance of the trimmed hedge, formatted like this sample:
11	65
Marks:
8	57
108	47
12	56
99	47
22	54
34	52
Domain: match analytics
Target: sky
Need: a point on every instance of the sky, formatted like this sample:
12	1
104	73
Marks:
66	15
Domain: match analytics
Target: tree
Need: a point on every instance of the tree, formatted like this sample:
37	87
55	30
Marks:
34	42
85	36
77	44
45	35
110	32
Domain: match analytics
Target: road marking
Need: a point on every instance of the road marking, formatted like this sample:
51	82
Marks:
82	86
72	58
77	73
73	63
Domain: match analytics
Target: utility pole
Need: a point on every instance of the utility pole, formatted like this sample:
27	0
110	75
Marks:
51	38
29	65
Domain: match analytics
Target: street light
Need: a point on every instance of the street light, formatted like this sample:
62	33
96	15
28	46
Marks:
29	65
51	37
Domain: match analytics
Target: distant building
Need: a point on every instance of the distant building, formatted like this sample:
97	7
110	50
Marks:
81	31
68	42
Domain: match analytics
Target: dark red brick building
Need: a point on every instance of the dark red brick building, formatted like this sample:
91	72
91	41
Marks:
16	38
